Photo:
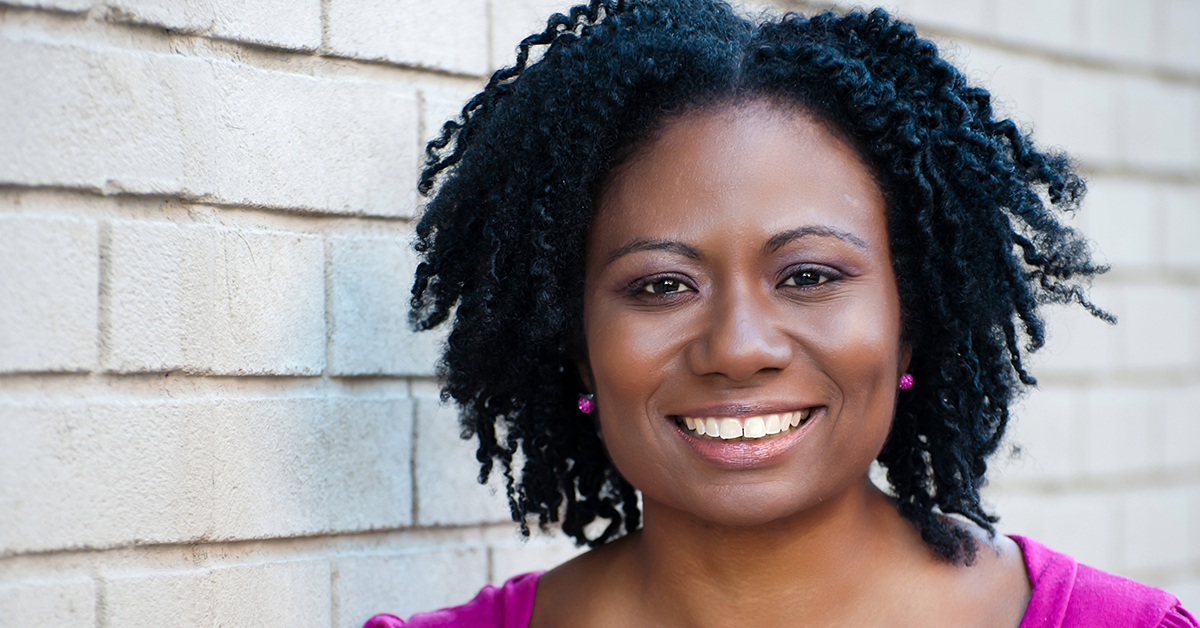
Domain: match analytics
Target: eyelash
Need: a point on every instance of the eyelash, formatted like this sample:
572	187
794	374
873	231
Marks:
642	286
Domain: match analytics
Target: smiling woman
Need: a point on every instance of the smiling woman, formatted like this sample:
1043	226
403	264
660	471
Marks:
702	272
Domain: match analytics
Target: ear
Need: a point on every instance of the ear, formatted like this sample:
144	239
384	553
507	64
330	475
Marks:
585	375
905	357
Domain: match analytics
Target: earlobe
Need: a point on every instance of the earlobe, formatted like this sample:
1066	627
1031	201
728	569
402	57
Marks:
905	357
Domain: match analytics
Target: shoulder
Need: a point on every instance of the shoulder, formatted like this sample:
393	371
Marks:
506	606
1066	594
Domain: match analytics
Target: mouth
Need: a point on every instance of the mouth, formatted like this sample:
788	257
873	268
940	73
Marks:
743	428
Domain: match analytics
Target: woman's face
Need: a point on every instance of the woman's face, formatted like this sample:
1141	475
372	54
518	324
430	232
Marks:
738	276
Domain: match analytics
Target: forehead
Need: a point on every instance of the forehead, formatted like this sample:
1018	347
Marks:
748	168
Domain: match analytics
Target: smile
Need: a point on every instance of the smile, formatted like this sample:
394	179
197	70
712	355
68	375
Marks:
728	428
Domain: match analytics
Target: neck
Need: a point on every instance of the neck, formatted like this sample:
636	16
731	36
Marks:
815	559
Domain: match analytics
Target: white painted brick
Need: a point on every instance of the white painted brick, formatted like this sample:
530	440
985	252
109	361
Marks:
1037	22
403	584
1193	495
370	284
1076	341
1181	46
210	299
1156	529
122	121
1188	592
517	20
49	294
295	24
1161	119
965	15
1080	114
1014	82
448	491
1044	427
294	593
1160	326
67	603
1084	525
437	107
100	474
1122	431
1183	429
447	35
538	553
1122	216
71	6
1182	209
1117	29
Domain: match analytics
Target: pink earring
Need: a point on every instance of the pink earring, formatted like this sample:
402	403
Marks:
586	405
906	381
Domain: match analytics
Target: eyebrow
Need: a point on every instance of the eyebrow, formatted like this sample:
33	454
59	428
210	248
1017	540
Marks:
653	244
779	240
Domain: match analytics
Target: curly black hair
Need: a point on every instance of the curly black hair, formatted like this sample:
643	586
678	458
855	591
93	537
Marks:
972	212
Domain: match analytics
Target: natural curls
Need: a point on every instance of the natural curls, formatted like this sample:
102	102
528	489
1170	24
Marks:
973	217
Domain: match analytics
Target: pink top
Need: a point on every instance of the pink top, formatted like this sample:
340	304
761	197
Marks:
1065	595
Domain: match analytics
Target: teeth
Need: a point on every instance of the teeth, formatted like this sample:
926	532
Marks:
729	428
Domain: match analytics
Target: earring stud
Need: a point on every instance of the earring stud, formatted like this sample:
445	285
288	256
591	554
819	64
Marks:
906	381
586	405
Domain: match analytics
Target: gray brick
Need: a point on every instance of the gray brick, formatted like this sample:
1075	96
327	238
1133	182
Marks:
166	124
49	294
99	474
403	584
66	603
294	593
209	299
445	35
295	24
370	284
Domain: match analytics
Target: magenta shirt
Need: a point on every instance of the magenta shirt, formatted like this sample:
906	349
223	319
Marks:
1065	595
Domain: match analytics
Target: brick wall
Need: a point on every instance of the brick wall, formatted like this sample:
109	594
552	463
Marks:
213	412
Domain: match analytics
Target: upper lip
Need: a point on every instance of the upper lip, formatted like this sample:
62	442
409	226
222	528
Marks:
741	410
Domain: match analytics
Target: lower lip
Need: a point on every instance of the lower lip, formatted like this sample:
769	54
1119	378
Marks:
743	453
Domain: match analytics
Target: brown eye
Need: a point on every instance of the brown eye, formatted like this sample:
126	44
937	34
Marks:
665	286
806	278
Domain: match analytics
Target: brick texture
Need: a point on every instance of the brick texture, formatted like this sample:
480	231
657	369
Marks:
403	584
49	293
164	124
105	474
210	299
448	491
295	24
294	593
370	284
446	35
66	603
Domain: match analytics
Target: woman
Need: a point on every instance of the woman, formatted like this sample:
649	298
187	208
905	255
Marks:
724	266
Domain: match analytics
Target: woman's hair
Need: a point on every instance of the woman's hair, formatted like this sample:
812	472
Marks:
971	210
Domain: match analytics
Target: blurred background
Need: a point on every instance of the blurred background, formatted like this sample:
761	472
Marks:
212	413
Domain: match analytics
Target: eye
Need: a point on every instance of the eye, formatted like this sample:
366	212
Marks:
665	285
806	277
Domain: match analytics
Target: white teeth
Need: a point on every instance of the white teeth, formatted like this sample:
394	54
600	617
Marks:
729	428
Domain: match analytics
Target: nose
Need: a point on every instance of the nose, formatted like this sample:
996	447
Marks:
743	336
